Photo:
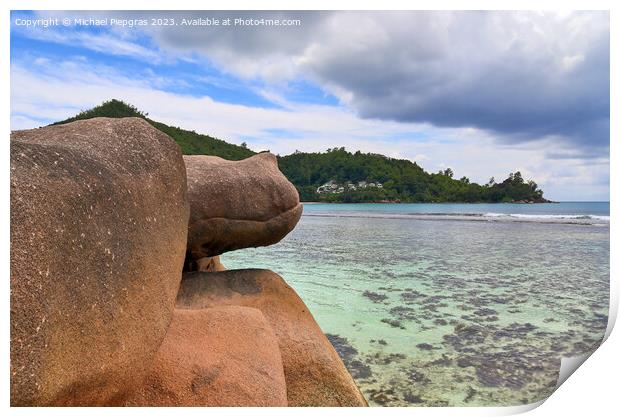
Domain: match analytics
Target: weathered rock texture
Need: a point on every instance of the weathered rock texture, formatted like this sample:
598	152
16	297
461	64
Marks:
212	264
222	356
315	375
238	204
98	234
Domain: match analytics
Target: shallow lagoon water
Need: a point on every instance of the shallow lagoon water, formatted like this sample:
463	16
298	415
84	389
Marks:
453	305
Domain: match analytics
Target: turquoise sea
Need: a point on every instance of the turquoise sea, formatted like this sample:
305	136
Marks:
450	304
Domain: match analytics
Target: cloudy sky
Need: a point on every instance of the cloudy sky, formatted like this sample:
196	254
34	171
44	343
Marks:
485	93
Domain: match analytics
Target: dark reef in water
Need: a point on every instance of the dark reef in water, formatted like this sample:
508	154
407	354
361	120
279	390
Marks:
375	297
393	323
348	354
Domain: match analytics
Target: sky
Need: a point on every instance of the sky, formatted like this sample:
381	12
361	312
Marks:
484	93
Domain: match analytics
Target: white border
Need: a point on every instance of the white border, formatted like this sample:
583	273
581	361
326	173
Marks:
593	388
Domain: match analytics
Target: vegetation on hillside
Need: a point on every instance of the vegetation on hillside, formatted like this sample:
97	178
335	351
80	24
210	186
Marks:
401	179
191	143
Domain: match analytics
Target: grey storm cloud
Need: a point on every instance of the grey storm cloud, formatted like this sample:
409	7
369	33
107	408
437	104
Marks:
523	76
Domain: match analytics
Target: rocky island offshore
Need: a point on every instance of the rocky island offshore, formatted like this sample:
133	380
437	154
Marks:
118	296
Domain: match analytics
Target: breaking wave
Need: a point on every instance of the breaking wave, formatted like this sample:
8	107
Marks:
583	219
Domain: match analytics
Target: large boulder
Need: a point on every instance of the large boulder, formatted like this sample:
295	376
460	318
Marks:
222	356
237	204
99	217
315	374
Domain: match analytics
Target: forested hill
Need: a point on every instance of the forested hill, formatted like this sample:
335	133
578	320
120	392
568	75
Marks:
341	176
359	177
191	143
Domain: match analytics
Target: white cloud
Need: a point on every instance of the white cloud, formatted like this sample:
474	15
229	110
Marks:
523	75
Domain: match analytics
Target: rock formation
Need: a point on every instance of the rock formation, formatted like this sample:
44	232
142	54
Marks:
237	204
315	374
104	219
98	234
219	356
